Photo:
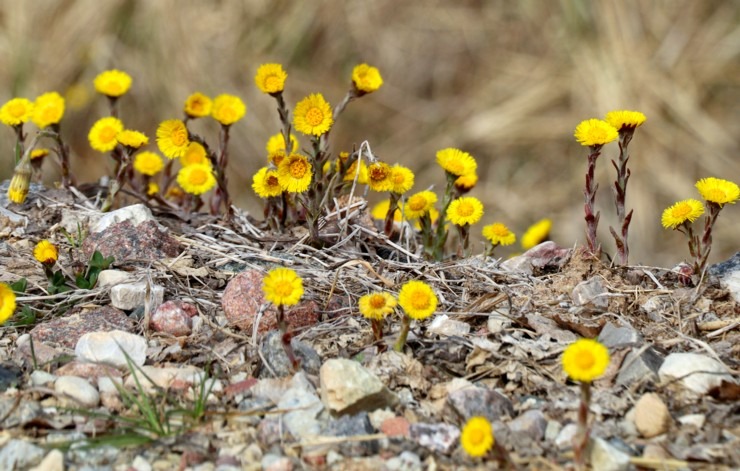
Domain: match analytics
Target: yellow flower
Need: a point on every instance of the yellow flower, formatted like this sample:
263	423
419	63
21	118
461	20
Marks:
351	171
294	173
152	189
499	234
366	78
196	179
282	287
377	305
228	109
16	111
194	154
623	119
270	78
595	132
313	115
585	360
46	252
18	188
148	163
717	190
419	204
48	109
266	183
197	105
536	233
680	212
380	210
7	303
112	83
39	153
132	139
276	144
103	134
476	437
172	138
456	162
417	299
402	179
465	183
379	176
465	210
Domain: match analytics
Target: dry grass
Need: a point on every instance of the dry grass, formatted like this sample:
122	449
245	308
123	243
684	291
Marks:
507	81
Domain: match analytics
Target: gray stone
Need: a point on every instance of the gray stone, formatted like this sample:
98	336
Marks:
127	296
347	388
699	373
612	336
273	462
564	440
78	390
42	378
643	367
477	401
591	293
606	457
302	420
351	425
135	213
532	423
545	256
547	327
109	348
11	224
441	438
274	354
10	376
19	454
444	326
67	330
18	414
406	461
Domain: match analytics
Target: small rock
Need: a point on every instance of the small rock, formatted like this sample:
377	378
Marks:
591	293
273	352
653	451
605	457
406	461
552	430
347	388
15	414
41	353
42	378
109	348
655	306
477	401
441	438
141	464
640	368
497	324
547	255
11	224
612	336
134	213
395	427
127	296
728	273
19	454
693	420
302	420
699	373
564	440
378	416
113	277
10	376
180	378
77	389
652	417
544	326
352	425
532	423
67	330
174	318
53	461
91	371
444	326
272	462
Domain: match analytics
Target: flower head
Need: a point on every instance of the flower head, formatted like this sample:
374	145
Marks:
48	109
282	287
16	111
172	138
717	190
112	83
377	305
417	299
19	185
39	154
152	189
148	163
196	179
7	303
536	233
266	183
276	144
465	210
595	132
294	173
349	174
194	154
270	78
380	211
228	109
456	162
313	115
465	183
379	176
498	234
623	119
46	252
197	105
419	204
680	212
402	179
585	360
366	78
476	437
103	135
132	139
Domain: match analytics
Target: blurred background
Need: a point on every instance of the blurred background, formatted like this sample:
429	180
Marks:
506	81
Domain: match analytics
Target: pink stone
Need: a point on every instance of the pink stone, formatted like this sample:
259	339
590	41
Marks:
174	318
239	387
243	297
395	427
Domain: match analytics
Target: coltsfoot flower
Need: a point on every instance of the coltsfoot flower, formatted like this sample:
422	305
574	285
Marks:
498	234
366	78
196	179
402	179
276	144
148	163
266	183
456	162
48	109
420	204
194	154
198	105
717	190
417	299
152	189
295	173
465	210
465	183
595	132
585	360
623	119
380	211
377	305
270	78
228	109
112	83
132	139
536	233
680	212
103	135
379	176
476	437
351	171
7	303
282	287
16	111
46	252
172	138
37	154
313	115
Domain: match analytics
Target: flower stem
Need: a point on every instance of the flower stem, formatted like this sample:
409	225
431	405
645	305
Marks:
592	220
285	338
405	326
580	440
704	246
620	196
221	194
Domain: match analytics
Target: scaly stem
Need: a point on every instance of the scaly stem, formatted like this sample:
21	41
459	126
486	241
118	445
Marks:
580	440
592	220
221	195
401	342
705	244
285	338
441	234
63	154
620	196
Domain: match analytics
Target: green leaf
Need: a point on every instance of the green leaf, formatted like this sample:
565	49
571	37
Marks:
19	286
25	317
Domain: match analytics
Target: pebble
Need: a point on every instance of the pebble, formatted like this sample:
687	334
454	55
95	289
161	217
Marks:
272	351
564	440
613	336
9	376
651	416
181	378
78	390
66	331
728	273
352	425
113	277
395	427
591	293
474	401
545	255
19	454
347	388
444	326
108	348
53	461
693	420
174	318
406	461
91	371
302	420
532	423
272	462
606	457
42	378
441	438
128	296
637	369
691	367
497	324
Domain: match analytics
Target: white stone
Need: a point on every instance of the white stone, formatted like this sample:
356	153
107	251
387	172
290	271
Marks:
699	373
141	464
113	277
78	389
19	454
127	296
42	378
694	420
136	213
164	377
108	348
107	384
53	461
443	325
564	440
497	323
304	407
606	457
347	387
731	283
